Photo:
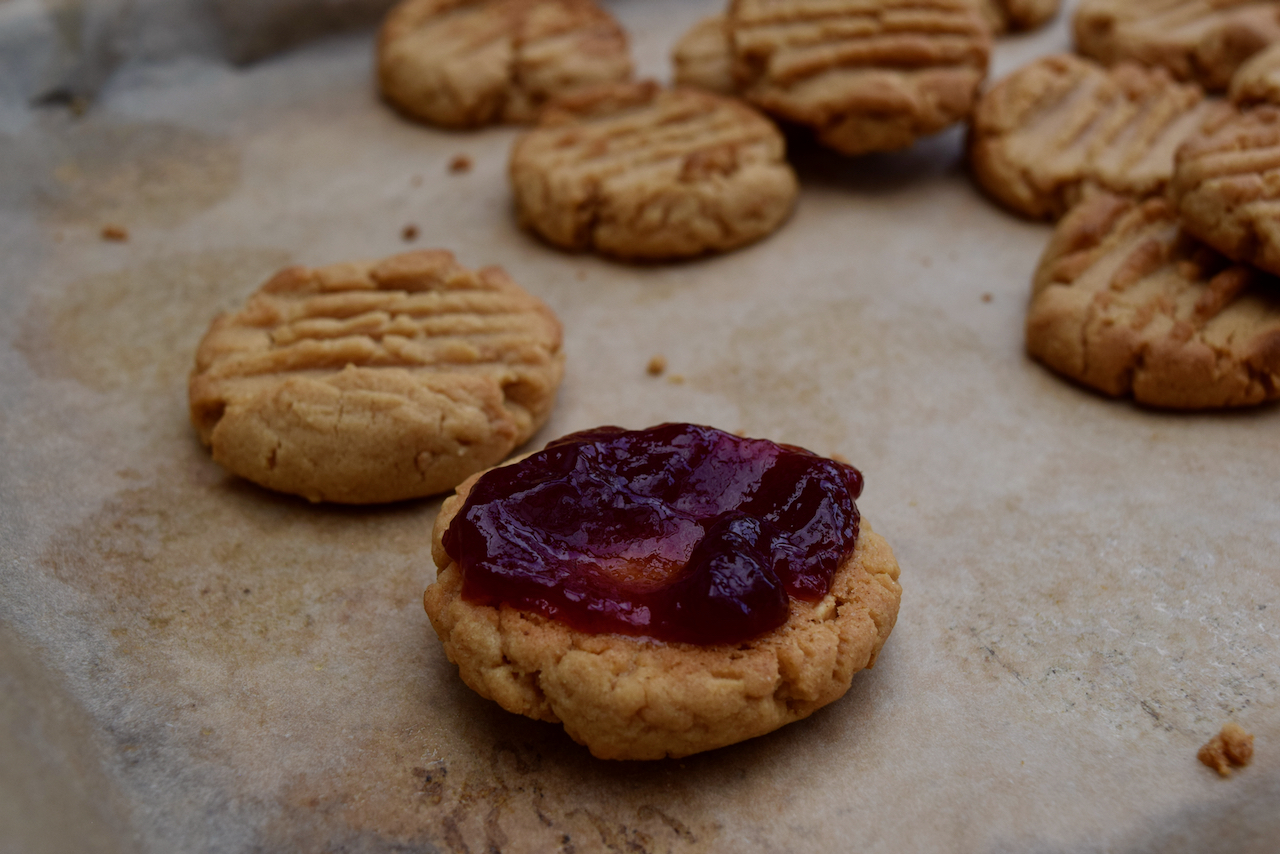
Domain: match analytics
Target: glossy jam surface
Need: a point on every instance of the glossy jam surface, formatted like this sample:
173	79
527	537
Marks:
678	532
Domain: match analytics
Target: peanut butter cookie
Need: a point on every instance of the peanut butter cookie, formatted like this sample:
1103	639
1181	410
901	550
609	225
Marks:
638	172
1125	302
865	76
1204	41
1061	126
703	56
467	63
634	697
1226	185
372	382
1258	80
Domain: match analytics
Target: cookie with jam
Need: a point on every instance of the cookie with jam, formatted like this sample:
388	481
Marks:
661	592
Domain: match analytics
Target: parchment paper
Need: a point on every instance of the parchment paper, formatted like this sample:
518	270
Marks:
190	663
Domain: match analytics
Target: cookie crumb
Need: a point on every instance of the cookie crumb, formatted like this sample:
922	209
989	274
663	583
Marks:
409	233
676	379
460	164
656	366
1232	746
987	297
118	233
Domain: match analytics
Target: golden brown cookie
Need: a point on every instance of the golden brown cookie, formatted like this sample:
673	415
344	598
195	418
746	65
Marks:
466	63
1203	41
1006	16
1125	302
634	698
865	76
371	382
701	57
1055	129
1226	186
1258	80
638	172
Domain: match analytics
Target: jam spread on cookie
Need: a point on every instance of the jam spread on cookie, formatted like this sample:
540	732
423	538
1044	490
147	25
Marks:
678	532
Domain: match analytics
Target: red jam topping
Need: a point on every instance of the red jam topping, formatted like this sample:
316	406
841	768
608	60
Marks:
678	532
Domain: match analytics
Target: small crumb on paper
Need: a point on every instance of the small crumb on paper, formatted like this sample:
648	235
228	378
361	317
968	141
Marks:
409	233
656	366
117	233
987	297
676	379
1231	747
459	164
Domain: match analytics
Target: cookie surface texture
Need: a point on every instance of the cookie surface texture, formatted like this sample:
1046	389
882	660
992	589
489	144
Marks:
467	63
701	57
866	76
1128	304
372	382
1017	15
1061	126
638	172
1196	40
1226	186
633	698
1258	80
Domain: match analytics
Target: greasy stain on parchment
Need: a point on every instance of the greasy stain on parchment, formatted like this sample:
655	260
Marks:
92	172
138	328
272	658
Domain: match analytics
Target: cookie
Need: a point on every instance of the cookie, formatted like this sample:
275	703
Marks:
701	57
1203	41
1226	186
467	63
372	382
1128	304
1054	129
638	172
630	696
865	76
1005	16
1258	80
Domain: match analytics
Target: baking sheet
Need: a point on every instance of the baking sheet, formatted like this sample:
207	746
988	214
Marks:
190	663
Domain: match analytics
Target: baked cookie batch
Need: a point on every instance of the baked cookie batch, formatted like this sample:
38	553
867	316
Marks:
412	376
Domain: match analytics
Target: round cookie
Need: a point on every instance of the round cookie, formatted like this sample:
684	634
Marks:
702	59
635	698
467	63
1053	130
1258	80
639	172
1203	41
372	382
866	77
1126	303
1226	186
